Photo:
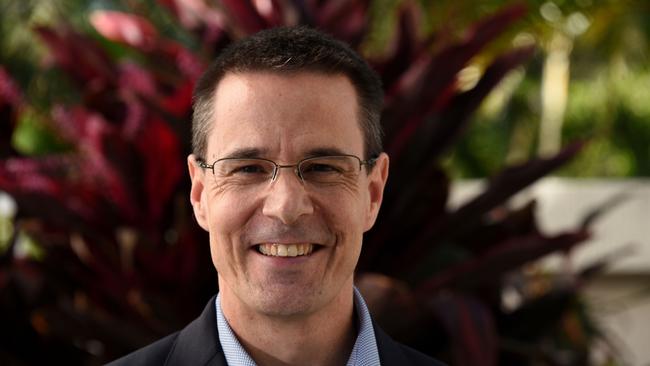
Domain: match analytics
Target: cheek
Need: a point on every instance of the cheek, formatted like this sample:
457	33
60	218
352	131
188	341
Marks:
344	216
227	214
226	218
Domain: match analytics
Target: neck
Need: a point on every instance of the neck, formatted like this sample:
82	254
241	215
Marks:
323	338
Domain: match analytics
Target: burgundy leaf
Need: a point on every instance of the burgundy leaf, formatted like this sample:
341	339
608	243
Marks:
197	16
537	317
179	103
344	19
412	203
244	15
469	324
11	101
139	33
501	224
513	179
305	11
70	124
490	27
429	84
189	65
103	150
452	111
500	259
10	94
602	208
126	28
500	188
272	11
437	134
79	57
604	263
160	151
445	132
134	78
52	189
176	264
385	297
405	48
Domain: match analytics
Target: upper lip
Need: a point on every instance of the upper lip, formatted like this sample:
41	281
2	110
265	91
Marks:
286	242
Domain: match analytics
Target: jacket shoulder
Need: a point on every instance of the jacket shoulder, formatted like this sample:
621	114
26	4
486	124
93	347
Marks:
392	353
154	354
196	344
418	358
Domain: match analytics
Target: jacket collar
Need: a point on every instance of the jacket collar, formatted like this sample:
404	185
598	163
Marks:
198	343
390	352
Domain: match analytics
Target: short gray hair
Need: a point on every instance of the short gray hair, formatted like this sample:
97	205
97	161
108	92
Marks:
291	50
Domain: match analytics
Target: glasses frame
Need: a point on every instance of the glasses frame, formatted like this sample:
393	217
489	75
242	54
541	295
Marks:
276	167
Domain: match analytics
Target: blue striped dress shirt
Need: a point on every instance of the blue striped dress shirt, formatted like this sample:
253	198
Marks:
364	352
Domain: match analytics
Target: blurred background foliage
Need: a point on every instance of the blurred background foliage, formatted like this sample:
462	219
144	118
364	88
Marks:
594	57
605	46
607	87
90	293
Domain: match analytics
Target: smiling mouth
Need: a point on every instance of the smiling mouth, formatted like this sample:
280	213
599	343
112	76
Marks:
286	250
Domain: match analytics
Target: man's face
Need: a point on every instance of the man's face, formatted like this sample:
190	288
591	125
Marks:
285	118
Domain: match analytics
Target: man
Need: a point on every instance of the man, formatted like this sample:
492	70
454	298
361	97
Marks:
287	174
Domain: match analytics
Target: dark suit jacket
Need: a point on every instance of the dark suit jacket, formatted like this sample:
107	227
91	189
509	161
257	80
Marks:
198	345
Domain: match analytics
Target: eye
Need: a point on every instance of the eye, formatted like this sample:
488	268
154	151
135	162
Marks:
320	168
243	168
249	169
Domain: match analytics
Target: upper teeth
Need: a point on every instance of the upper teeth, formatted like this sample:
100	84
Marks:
286	250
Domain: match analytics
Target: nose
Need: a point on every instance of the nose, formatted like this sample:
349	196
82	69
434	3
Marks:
286	199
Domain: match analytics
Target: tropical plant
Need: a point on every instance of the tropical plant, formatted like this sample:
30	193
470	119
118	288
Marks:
105	257
593	64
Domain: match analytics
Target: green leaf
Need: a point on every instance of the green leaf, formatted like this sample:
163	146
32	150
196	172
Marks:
34	137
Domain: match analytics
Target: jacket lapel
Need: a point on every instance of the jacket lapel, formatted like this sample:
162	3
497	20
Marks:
198	343
390	352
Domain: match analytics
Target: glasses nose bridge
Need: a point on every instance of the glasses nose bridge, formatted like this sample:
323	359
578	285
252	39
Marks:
296	170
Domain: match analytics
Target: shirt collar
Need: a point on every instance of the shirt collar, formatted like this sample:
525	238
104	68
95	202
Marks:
364	352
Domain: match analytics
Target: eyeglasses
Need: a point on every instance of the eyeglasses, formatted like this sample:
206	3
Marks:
317	170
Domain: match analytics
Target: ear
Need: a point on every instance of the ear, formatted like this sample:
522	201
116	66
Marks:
197	198
376	183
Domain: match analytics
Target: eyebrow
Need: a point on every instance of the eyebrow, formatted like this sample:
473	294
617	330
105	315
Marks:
252	152
324	151
245	153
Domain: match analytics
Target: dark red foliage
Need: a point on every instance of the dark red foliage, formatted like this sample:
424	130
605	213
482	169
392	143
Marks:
10	105
465	317
428	85
80	57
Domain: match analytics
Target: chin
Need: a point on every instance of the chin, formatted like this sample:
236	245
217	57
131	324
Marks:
288	301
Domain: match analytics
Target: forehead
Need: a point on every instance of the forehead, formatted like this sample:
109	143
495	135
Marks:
285	115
